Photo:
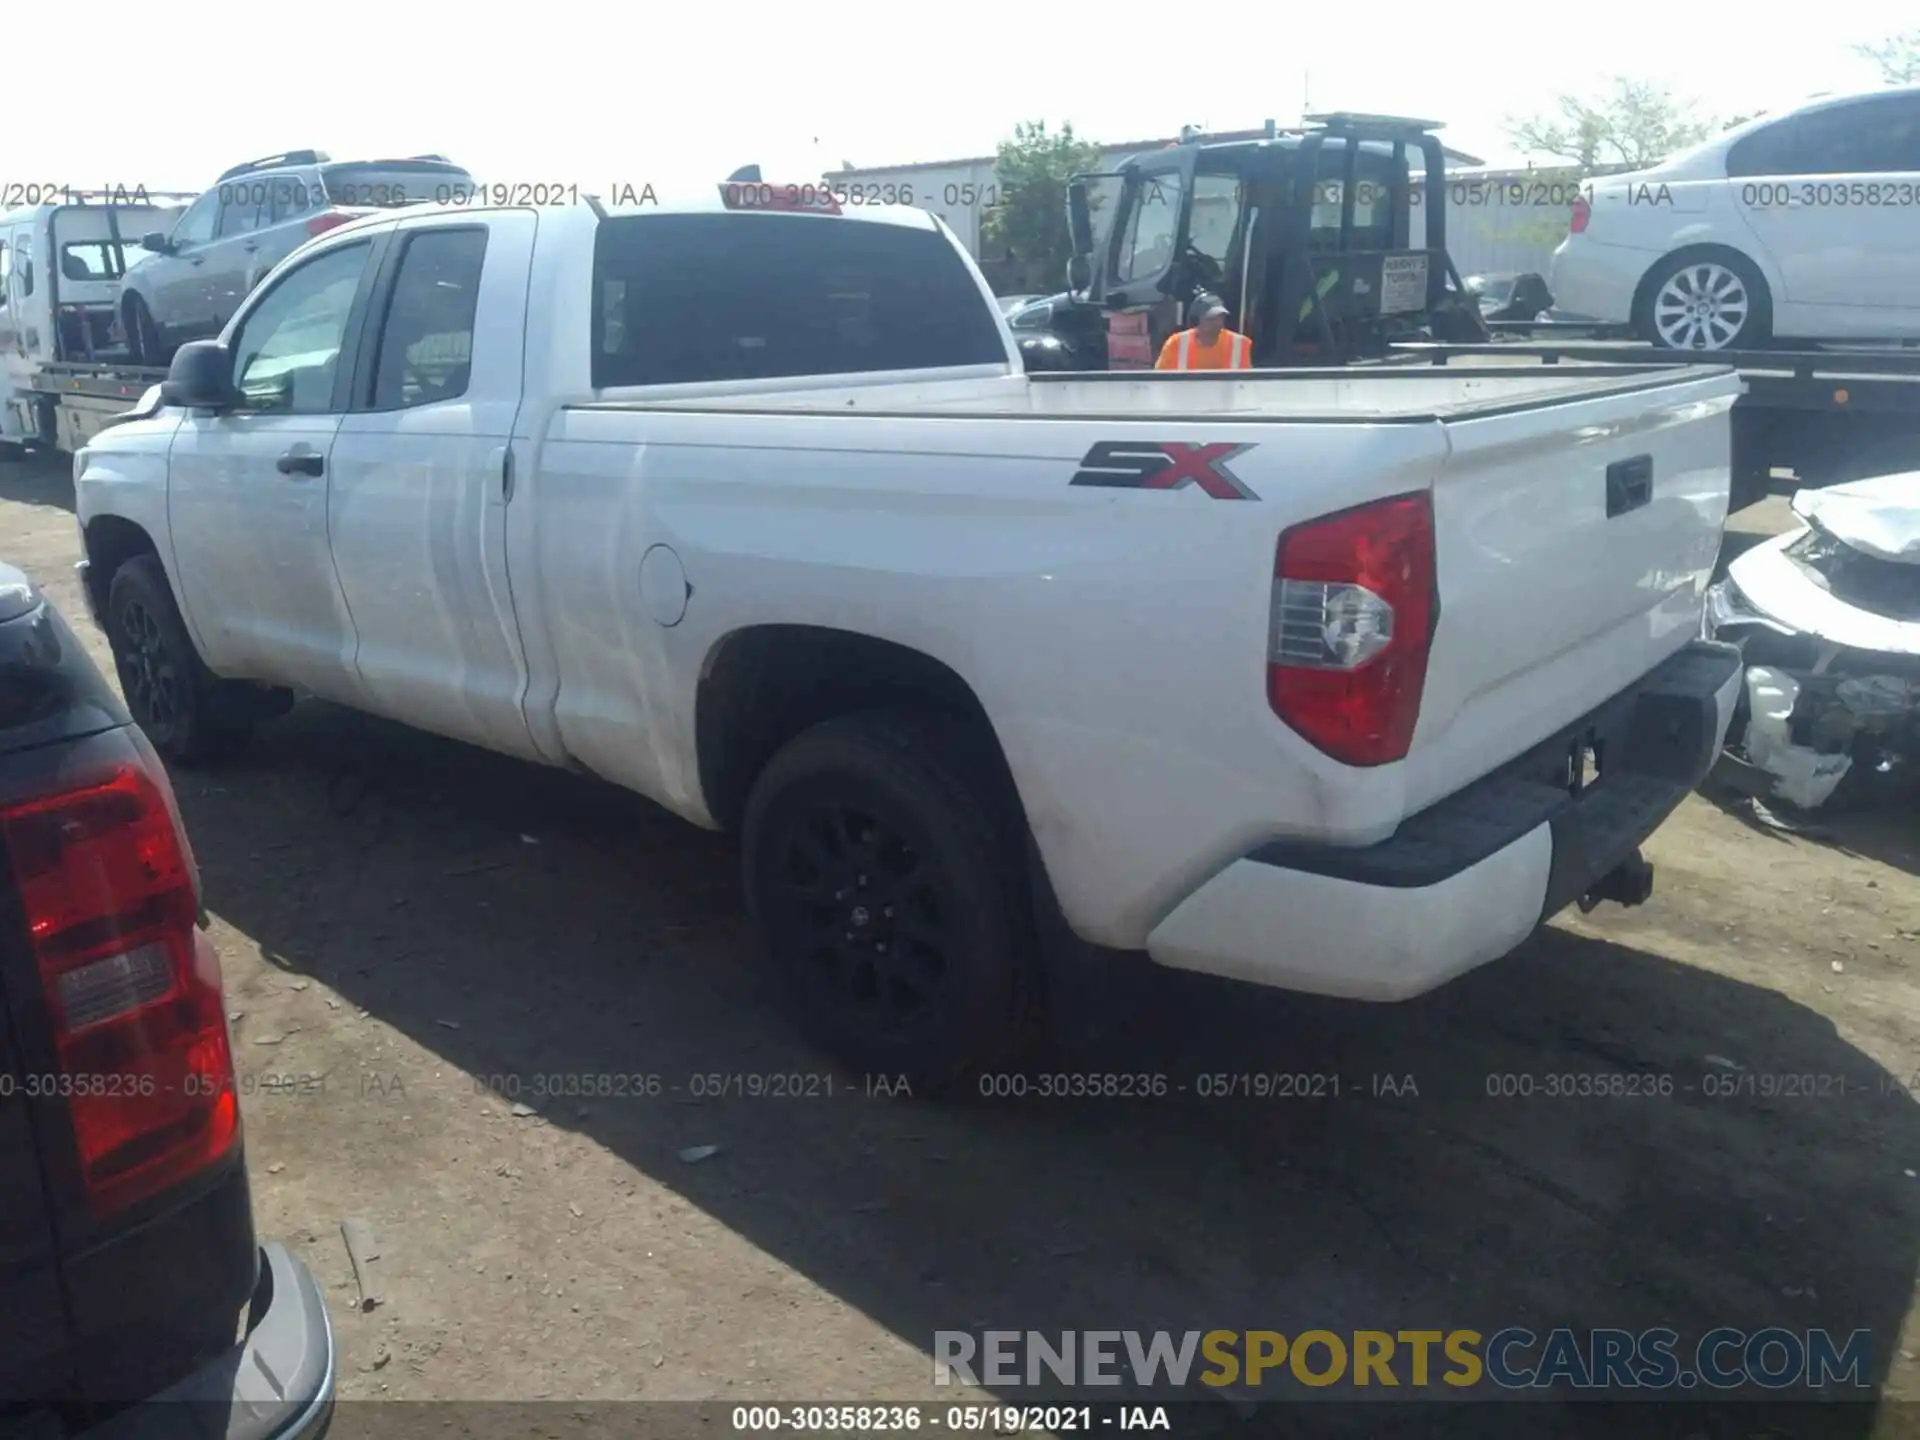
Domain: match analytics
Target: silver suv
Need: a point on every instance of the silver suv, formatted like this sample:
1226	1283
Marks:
255	216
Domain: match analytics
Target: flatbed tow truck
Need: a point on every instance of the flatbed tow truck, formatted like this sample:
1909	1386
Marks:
1314	240
64	369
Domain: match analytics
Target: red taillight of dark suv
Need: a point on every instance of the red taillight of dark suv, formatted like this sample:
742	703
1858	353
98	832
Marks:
1354	606
106	879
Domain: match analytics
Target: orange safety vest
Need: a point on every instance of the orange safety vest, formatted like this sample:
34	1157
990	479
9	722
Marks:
1183	351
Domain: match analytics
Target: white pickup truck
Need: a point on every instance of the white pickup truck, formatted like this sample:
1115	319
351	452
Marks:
1297	677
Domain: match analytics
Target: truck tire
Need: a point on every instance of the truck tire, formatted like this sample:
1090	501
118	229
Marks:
1740	307
180	704
884	880
143	336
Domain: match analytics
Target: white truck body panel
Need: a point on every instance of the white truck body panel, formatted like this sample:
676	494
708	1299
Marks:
549	570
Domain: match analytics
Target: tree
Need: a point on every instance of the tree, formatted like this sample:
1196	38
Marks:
1031	172
1637	124
1898	57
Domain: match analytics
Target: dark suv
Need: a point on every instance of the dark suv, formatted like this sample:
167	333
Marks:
256	215
129	1272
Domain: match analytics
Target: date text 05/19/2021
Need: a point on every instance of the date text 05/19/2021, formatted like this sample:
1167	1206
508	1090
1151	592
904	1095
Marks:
999	1420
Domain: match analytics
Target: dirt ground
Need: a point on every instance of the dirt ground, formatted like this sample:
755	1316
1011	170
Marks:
400	917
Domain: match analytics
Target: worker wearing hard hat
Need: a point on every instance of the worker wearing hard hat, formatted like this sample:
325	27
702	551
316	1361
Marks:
1209	345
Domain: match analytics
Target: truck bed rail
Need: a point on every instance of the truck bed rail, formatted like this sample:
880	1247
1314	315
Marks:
1822	380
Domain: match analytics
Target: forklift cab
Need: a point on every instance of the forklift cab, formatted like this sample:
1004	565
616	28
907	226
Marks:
1316	240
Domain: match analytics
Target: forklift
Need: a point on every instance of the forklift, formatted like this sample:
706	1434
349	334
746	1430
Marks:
1316	240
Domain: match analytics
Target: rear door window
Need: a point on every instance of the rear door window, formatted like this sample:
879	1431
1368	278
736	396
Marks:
1879	136
426	342
684	298
1868	137
291	196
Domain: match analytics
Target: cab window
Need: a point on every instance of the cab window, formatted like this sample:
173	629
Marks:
1146	244
1216	214
288	350
745	297
1374	189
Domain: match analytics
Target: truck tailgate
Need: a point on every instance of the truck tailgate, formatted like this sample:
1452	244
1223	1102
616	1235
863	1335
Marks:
1575	543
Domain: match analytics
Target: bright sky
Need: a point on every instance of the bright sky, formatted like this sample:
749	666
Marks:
675	95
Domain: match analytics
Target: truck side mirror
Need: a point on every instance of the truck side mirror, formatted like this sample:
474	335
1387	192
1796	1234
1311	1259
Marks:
1079	218
1079	273
156	241
200	378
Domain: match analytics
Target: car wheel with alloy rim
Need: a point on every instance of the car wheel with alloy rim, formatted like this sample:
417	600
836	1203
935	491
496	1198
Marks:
1705	301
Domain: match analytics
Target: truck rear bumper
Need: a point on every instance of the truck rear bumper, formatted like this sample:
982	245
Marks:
1468	879
276	1384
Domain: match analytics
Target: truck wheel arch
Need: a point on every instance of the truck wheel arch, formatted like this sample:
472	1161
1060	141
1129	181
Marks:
112	540
763	685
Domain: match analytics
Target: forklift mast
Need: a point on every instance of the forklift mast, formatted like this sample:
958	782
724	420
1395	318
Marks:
1316	239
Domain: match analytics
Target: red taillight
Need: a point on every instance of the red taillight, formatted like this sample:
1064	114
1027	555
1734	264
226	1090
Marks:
1582	212
320	224
1353	612
759	195
106	880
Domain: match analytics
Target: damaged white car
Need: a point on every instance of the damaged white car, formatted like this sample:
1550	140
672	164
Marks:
1828	618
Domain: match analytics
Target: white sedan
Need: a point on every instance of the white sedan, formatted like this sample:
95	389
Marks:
1801	225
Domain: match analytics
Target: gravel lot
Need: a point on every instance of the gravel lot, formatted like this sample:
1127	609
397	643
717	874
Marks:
401	917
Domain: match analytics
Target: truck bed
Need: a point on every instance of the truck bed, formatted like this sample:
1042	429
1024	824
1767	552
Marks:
1413	393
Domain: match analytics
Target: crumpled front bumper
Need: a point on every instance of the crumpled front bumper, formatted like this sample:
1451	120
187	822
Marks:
1811	705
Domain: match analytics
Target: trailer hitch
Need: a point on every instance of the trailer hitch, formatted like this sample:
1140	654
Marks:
1628	883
